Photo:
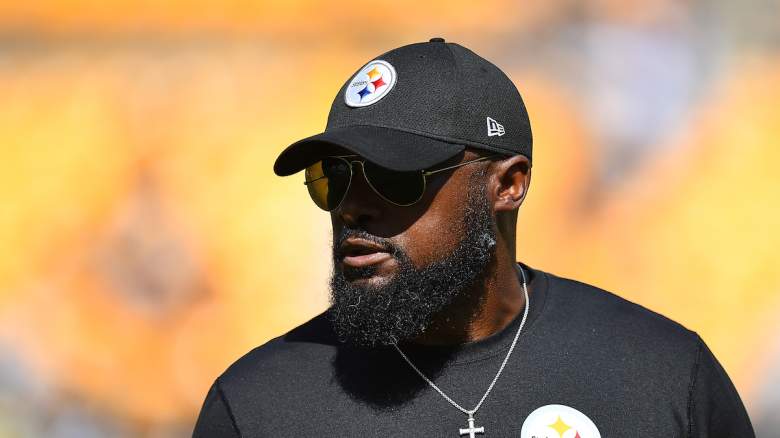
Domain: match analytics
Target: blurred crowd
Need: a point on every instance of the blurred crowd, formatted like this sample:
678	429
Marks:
145	243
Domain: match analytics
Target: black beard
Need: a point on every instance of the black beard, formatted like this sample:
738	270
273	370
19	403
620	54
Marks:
405	306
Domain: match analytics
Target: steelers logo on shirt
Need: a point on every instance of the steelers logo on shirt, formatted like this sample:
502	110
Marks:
558	421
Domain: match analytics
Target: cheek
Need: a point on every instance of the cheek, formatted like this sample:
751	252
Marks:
437	232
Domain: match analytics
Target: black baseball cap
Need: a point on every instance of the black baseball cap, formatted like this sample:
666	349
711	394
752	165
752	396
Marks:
416	106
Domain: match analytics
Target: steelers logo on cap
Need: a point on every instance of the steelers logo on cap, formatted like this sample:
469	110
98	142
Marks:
371	83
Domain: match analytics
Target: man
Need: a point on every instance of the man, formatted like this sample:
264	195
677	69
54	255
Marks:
434	329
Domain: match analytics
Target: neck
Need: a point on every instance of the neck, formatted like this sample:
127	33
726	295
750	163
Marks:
483	310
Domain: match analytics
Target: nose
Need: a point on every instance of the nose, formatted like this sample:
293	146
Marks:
360	206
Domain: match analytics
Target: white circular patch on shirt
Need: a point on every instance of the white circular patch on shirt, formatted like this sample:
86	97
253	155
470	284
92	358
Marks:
558	421
370	84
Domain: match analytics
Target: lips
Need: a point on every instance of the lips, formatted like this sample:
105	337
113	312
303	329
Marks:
358	253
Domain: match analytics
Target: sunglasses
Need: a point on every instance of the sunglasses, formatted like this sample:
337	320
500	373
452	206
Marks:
328	181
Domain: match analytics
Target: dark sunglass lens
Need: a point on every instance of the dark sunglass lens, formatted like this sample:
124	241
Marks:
403	188
327	181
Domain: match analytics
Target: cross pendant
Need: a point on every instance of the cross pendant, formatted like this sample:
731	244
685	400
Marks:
471	430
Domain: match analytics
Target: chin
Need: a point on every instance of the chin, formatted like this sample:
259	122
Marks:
367	278
372	275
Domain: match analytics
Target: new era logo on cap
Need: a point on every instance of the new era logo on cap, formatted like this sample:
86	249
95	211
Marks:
494	128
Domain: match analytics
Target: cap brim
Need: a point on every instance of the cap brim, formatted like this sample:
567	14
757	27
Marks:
390	148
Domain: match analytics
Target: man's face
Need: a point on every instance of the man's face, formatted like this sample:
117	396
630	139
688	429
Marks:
396	268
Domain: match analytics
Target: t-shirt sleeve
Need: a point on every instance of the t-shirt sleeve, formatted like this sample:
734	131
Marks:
715	409
215	419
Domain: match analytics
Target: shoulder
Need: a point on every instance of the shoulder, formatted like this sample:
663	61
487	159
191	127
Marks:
637	357
274	376
624	348
284	357
597	312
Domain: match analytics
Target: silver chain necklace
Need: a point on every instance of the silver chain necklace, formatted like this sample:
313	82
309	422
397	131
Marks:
471	429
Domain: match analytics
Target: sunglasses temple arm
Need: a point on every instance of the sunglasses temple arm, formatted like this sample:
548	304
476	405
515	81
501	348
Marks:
315	179
431	172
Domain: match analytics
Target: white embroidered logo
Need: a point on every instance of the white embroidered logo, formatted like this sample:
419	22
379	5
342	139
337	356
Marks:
558	421
370	84
494	128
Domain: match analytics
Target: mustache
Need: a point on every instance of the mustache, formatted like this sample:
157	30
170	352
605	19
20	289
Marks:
346	233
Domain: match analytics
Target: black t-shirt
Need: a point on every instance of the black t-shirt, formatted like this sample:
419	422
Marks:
587	364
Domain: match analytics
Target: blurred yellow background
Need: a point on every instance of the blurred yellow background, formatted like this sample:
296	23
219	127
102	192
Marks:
145	243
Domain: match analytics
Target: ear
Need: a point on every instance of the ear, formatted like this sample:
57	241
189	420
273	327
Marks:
510	180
